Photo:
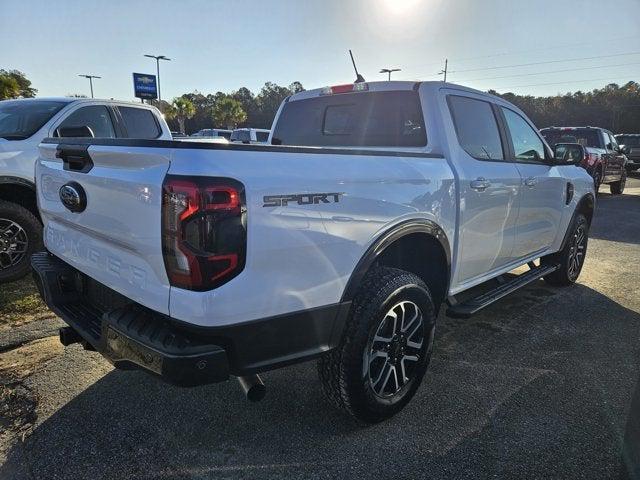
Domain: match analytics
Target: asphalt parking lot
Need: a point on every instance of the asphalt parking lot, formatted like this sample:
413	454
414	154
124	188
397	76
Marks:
544	384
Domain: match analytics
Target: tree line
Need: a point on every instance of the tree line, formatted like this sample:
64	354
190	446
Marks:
614	107
194	111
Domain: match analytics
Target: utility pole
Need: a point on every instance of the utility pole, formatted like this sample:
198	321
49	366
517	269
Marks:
446	63
389	70
158	58
90	77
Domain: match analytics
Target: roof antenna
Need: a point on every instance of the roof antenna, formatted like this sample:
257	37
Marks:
359	78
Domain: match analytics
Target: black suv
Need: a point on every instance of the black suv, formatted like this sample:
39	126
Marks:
630	142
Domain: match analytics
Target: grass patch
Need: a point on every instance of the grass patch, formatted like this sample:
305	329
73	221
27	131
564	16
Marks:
20	303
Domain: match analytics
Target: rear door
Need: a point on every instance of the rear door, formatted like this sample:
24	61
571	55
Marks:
115	239
489	187
543	187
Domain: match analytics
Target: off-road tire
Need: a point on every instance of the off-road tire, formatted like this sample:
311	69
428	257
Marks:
565	275
597	180
618	187
344	383
33	230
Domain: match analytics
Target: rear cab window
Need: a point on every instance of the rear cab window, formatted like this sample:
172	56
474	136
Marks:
587	137
476	127
140	123
360	119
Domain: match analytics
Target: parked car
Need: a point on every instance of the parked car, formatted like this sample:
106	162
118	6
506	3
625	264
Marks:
213	133
250	135
23	125
178	135
381	202
604	160
630	143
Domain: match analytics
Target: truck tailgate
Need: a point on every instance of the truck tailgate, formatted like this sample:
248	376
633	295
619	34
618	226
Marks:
116	238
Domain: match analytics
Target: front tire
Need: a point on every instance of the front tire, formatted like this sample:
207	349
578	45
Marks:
618	187
597	180
385	347
571	257
20	237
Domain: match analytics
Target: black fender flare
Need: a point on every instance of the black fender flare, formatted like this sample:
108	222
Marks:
587	201
9	180
386	239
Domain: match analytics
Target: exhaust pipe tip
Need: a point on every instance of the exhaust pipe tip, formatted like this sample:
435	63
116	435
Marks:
69	336
253	387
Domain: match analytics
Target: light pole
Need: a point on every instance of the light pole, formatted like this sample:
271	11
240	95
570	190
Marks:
389	70
158	58
90	77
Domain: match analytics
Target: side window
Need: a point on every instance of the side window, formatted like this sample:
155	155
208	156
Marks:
614	142
262	136
606	142
527	145
139	123
96	117
476	127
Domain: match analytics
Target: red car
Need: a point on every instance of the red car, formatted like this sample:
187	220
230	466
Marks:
604	159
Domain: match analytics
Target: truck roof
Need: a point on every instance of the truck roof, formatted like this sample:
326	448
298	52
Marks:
380	86
80	100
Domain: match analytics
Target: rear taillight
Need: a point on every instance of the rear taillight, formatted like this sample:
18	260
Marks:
204	234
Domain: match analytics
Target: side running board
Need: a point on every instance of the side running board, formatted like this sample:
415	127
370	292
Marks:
474	305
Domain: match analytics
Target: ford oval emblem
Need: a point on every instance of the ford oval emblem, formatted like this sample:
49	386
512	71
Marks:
73	197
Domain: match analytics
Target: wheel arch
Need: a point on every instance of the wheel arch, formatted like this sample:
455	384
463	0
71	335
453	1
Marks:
19	191
586	206
417	246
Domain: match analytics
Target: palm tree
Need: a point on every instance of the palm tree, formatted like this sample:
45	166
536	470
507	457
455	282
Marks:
228	112
181	108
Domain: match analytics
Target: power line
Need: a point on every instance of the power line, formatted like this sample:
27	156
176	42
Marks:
580	44
548	72
546	62
519	52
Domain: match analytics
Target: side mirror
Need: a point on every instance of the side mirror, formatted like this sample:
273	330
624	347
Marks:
568	153
624	149
75	132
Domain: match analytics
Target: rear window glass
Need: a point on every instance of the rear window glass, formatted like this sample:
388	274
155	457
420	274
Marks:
364	119
139	122
586	137
628	140
476	127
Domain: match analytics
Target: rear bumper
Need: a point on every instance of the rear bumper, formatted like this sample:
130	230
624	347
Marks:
131	335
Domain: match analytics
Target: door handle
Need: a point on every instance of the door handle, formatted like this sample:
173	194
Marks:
531	182
480	184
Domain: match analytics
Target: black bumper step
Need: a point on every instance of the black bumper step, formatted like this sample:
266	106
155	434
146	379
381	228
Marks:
474	305
124	332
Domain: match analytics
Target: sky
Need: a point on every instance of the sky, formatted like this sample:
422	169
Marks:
537	47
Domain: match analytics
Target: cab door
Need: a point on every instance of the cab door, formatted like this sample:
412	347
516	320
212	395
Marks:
543	188
489	185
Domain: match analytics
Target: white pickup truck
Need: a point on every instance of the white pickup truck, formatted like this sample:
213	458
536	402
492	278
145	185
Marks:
375	205
24	124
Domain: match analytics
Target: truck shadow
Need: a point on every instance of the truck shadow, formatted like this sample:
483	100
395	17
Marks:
551	364
617	218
